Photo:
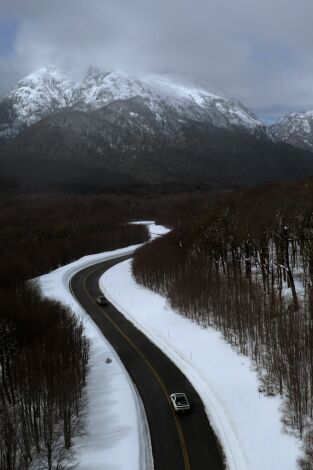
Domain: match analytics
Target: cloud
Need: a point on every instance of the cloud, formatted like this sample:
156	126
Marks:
257	51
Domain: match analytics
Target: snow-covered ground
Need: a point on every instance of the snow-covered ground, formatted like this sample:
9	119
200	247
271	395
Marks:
247	423
116	434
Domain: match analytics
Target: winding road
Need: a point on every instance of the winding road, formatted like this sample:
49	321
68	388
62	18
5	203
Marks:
179	442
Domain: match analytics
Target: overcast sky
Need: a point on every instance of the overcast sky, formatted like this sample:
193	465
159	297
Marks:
258	51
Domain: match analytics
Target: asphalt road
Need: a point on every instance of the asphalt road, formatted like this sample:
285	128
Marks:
179	442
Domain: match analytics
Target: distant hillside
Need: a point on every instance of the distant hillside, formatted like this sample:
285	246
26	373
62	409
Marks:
113	131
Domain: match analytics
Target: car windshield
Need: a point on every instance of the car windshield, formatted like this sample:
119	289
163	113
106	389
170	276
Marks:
181	400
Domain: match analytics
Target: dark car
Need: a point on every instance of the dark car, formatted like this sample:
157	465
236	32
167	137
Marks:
102	300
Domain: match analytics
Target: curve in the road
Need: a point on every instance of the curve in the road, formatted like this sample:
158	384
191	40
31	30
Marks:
184	442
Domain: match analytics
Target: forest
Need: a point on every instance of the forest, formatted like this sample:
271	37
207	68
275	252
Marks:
242	262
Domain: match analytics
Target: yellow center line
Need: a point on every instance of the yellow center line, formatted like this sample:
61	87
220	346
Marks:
150	366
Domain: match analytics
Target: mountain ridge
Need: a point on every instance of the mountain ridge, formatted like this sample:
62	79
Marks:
48	90
111	130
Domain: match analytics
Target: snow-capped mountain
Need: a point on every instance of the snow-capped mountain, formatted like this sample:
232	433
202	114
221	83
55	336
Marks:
170	102
295	129
112	130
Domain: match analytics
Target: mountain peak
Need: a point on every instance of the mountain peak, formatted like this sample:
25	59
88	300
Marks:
295	129
41	75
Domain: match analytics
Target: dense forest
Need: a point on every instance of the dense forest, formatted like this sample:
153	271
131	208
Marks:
242	262
43	359
43	349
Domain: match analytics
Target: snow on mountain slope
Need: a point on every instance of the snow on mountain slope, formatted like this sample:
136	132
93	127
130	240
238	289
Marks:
33	98
295	129
101	88
172	101
186	96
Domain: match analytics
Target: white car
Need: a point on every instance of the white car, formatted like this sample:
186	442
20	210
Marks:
101	300
180	402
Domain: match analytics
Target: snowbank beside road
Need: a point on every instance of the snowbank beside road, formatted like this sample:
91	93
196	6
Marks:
247	423
116	433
